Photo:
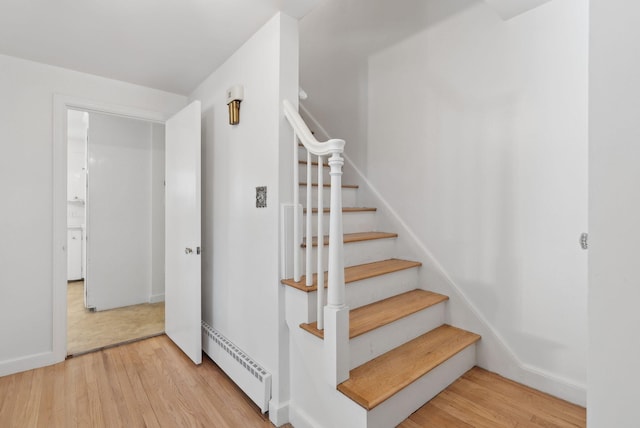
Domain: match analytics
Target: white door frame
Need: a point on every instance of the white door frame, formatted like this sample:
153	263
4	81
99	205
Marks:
59	288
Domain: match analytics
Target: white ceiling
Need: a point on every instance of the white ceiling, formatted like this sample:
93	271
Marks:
165	44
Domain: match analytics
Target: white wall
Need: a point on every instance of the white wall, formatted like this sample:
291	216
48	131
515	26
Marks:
241	293
614	210
26	267
336	39
487	122
157	210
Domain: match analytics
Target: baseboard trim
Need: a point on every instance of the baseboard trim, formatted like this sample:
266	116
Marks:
155	298
301	419
278	413
553	384
29	362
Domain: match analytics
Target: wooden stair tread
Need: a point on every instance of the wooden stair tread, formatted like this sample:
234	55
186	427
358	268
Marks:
354	237
344	186
357	273
344	210
375	381
367	318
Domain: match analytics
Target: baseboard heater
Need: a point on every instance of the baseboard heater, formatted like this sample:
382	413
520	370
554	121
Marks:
246	373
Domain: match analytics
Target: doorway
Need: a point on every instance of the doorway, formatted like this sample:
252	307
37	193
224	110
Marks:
115	229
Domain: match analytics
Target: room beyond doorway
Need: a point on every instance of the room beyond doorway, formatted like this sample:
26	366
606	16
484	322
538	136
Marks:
115	195
89	331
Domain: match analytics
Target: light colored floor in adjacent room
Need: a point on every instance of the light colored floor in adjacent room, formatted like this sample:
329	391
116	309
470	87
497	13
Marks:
88	331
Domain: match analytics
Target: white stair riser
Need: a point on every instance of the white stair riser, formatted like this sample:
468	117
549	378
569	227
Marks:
397	408
367	291
300	307
349	196
356	253
371	290
363	221
383	339
302	174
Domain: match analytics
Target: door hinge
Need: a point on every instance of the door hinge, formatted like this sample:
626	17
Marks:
584	241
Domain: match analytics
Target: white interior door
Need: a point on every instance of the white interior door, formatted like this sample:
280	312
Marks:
182	227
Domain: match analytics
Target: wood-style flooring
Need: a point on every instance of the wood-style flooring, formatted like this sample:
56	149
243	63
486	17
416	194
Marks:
486	400
88	331
149	383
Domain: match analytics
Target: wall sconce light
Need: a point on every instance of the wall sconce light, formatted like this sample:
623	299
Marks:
235	94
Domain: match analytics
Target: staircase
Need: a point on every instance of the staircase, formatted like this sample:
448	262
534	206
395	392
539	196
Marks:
401	351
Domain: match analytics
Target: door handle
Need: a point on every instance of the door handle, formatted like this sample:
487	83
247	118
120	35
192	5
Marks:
188	250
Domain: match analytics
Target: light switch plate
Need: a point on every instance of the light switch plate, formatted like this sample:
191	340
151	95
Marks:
261	197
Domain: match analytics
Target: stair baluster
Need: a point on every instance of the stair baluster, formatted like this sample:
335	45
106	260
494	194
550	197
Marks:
309	233
297	241
320	247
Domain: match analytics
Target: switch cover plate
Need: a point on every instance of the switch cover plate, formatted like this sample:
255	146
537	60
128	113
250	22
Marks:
261	197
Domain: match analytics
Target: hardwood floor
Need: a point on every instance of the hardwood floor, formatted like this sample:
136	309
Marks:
88	331
487	400
149	383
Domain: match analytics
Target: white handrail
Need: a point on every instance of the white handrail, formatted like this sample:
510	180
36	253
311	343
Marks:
336	336
306	137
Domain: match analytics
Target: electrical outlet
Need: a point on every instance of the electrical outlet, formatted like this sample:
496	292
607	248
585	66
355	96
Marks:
261	197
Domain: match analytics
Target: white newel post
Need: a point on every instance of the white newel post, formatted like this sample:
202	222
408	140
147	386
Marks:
336	313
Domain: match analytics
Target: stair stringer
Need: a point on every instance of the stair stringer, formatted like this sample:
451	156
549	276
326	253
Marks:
314	403
493	352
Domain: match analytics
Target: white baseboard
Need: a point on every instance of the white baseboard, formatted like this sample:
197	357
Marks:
553	384
155	298
278	413
27	363
301	419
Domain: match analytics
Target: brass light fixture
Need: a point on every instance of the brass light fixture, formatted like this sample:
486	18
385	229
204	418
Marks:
235	95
